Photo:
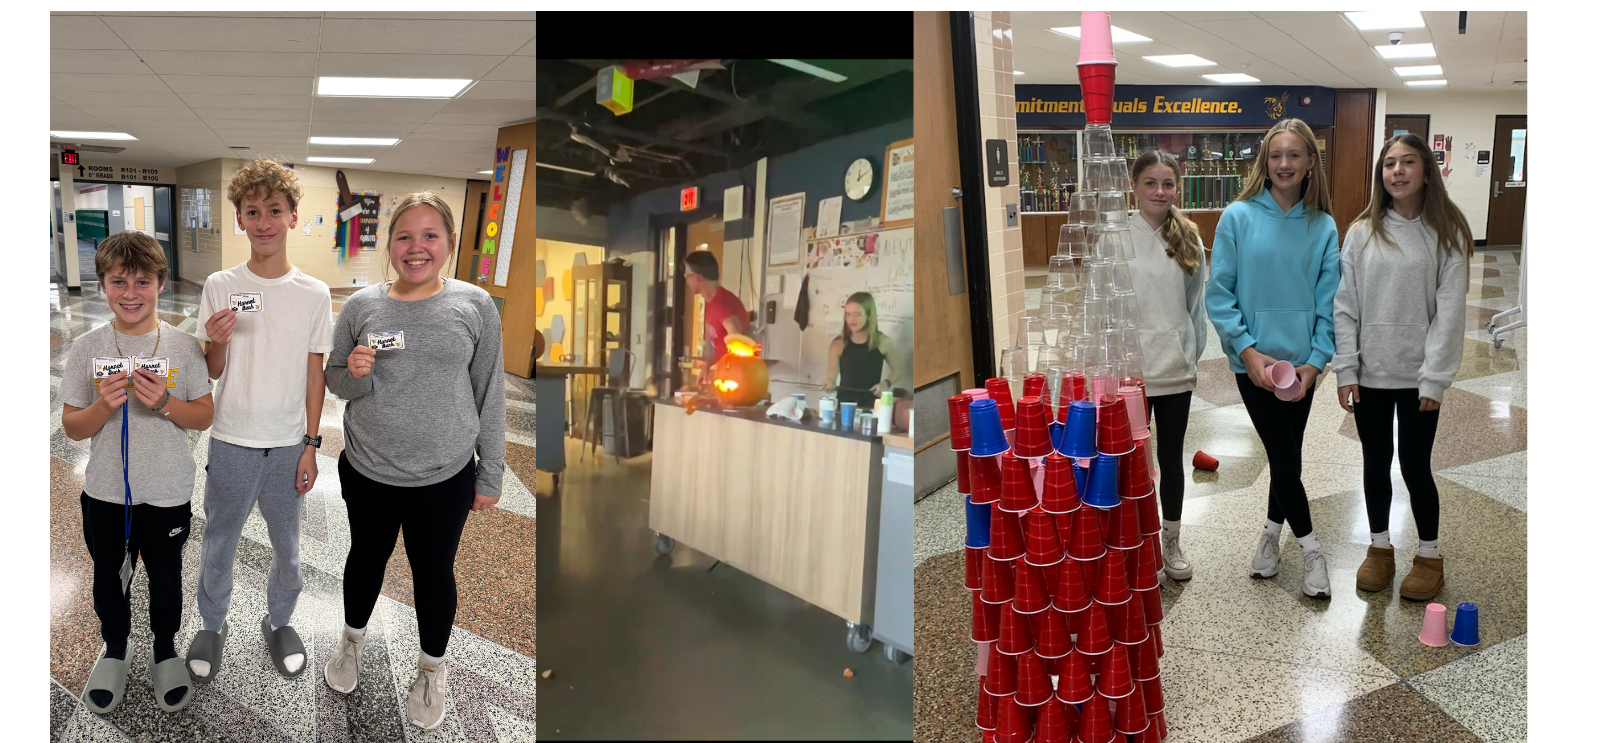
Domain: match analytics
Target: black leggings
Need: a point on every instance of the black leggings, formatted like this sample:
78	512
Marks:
432	518
158	538
1374	416
1282	428
1171	414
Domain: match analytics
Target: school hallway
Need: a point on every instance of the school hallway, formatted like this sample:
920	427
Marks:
1256	660
492	670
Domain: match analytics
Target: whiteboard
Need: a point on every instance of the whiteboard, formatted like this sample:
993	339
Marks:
890	279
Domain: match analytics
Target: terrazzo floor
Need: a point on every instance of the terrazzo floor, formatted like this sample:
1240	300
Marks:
1255	660
492	676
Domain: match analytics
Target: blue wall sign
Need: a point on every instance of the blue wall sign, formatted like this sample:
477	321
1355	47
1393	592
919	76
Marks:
1180	105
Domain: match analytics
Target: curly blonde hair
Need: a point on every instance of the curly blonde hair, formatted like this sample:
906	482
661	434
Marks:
264	176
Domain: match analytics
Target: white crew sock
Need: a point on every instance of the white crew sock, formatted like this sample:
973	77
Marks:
353	632
1428	548
292	661
1274	529
1380	539
1309	542
1170	528
200	667
429	662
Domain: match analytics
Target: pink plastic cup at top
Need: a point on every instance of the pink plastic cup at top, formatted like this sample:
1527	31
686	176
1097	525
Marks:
1281	374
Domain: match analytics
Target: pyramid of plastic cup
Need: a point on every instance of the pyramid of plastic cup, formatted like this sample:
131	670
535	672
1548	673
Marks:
1033	684
1146	565
960	421
1094	637
1031	594
1002	672
1033	384
974	564
1113	435
998	586
1112	585
1053	639
1016	721
1153	613
1060	493
1095	724
1124	532
1000	392
987	709
1072	592
1005	534
1033	428
1146	665
977	524
1128	625
1085	541
984	475
1044	545
1102	490
1130	718
1155	699
988	428
985	620
1133	473
1016	484
1056	722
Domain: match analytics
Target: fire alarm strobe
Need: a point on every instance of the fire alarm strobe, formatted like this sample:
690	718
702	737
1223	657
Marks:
1305	100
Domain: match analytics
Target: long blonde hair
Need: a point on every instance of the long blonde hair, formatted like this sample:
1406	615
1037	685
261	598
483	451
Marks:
1313	188
1439	213
869	308
1180	232
422	198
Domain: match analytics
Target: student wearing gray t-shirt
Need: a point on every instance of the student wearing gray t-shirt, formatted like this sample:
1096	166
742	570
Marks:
140	475
419	360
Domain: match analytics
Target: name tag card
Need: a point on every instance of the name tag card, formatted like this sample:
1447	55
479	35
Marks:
153	364
106	366
245	301
387	341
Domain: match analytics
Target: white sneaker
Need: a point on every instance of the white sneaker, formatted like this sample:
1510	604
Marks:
425	707
1176	565
1265	564
1315	583
343	670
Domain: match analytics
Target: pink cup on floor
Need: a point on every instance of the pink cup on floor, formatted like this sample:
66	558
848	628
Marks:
1433	629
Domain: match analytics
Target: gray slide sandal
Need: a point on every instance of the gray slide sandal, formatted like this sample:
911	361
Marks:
109	674
207	646
168	676
282	643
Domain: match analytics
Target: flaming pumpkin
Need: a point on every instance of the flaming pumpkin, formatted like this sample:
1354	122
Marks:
740	376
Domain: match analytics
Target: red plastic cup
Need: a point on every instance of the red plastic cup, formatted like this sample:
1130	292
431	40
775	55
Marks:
1044	545
1160	719
988	709
1072	591
1146	566
1127	623
1146	665
1112	434
1016	722
1072	686
1095	724
998	584
1033	684
1155	631
1016	637
974	568
1116	674
1204	461
1155	700
1005	534
963	472
1033	384
1094	636
1000	392
1060	492
1149	515
1016	484
960	421
1085	542
982	664
1149	735
1033	429
1031	596
1133	472
1002	672
1098	81
1091	573
1153	613
1124	533
1052	639
1052	576
1130	717
1112	586
1056	722
984	476
985	620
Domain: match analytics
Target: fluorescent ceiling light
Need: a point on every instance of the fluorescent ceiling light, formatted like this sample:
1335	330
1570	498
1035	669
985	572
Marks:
811	69
355	160
1405	51
93	135
1232	77
1426	83
1018	72
1430	69
379	142
558	167
390	87
1118	35
1180	60
486	172
1384	21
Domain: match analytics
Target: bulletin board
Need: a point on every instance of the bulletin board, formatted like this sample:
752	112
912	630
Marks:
899	184
879	261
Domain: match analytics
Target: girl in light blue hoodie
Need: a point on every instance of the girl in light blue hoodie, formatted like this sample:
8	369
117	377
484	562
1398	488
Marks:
1275	269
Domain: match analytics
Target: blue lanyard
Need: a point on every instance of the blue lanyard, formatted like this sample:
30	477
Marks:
127	489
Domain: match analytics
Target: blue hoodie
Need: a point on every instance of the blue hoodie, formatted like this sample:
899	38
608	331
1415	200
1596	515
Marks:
1273	278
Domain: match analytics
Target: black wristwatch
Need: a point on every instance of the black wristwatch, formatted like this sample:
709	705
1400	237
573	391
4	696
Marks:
316	442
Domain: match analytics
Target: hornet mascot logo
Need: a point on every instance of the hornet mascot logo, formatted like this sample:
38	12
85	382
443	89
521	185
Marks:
1275	105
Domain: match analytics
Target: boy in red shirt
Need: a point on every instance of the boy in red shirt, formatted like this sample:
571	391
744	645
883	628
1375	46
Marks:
725	314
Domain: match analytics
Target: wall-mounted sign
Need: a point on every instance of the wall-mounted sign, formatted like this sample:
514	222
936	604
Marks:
1438	143
125	173
1178	105
994	154
1483	157
69	158
689	199
899	184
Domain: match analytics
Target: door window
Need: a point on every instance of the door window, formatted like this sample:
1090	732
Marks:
1519	140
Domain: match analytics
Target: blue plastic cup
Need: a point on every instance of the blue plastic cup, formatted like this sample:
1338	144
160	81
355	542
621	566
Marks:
977	524
1465	632
847	415
1102	492
988	438
1079	439
1081	475
1058	436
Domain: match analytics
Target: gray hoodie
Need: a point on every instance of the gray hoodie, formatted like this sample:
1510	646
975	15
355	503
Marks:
1172	312
1400	313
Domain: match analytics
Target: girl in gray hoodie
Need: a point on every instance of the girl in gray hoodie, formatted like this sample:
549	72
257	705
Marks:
1399	318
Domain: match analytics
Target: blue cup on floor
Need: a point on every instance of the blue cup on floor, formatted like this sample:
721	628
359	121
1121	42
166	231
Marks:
847	415
1465	632
1079	438
1102	492
988	438
977	524
1081	475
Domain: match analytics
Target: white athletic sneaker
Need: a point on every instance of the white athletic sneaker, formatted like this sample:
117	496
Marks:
1265	564
344	668
1176	565
425	707
1315	583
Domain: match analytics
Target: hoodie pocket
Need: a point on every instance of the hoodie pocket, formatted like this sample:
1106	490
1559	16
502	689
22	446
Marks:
1285	334
1164	358
1393	348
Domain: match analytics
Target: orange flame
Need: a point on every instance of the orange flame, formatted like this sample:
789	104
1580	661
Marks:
725	385
742	346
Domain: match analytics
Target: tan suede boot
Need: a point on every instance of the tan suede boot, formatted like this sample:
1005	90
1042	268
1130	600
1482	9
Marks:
1377	570
1424	580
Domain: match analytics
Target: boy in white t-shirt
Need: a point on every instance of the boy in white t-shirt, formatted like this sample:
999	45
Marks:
267	328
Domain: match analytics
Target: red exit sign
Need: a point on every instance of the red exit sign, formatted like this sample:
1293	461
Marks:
69	157
689	199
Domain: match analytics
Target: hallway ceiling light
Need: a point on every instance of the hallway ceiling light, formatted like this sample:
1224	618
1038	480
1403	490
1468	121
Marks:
376	142
1405	51
486	172
1180	60
354	160
390	87
558	167
1018	72
811	69
1232	77
1118	35
1429	69
93	135
1386	20
1427	83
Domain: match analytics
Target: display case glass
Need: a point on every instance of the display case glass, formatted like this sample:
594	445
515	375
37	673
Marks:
1047	164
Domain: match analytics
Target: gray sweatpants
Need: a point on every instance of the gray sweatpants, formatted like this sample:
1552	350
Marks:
237	480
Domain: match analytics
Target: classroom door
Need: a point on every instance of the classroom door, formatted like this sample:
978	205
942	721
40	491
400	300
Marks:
1508	195
1403	124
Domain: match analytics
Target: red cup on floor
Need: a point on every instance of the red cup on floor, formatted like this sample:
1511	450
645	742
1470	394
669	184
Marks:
1124	533
1149	515
1000	392
1133	472
1052	638
1116	674
1072	686
999	586
1127	623
963	472
1015	636
1094	636
960	421
1005	534
1033	684
1031	596
1044	545
1153	613
1155	700
1146	567
987	707
1130	716
1072	591
1085	542
1146	665
1095	724
1033	429
1204	461
985	620
1056	722
1060	493
1016	722
1112	586
984	476
1002	672
1016	484
974	568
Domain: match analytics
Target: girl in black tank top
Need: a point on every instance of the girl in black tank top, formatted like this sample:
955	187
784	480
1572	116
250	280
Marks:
856	367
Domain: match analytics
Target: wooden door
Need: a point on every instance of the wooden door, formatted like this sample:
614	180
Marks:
138	213
468	255
1508	194
1405	123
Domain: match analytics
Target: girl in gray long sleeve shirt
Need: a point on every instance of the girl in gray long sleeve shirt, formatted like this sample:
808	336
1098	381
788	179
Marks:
1399	324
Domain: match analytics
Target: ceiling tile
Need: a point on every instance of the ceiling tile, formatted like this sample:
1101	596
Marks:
469	66
397	110
278	102
501	90
217	34
491	108
257	114
82	32
455	132
446	16
150	112
95	61
250	64
238	85
81	99
515	68
68	82
387	35
456	118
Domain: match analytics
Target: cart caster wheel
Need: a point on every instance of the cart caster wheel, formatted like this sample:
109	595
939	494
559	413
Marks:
1497	343
895	655
1490	326
859	637
664	544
